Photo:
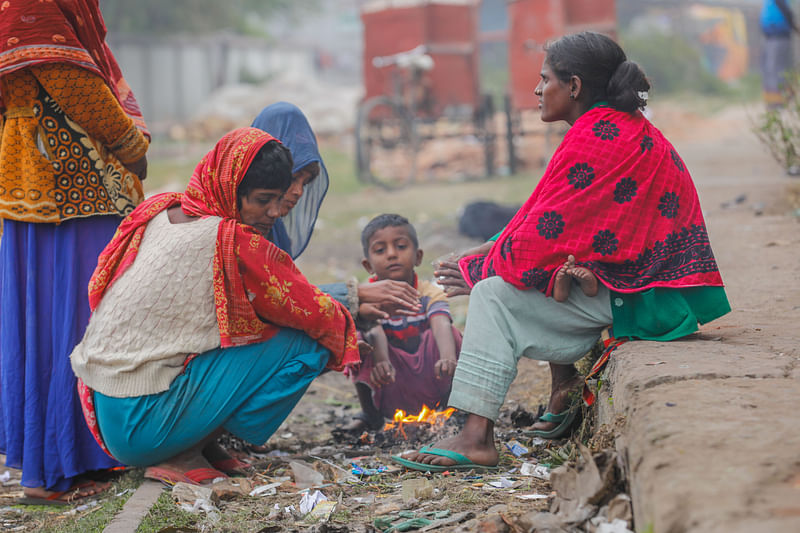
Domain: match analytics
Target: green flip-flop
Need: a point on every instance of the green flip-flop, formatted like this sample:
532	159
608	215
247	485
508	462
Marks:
564	419
462	462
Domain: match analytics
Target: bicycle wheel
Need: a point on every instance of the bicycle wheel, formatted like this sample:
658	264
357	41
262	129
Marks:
386	144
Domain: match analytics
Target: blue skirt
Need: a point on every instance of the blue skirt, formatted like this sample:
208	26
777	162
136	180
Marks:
44	279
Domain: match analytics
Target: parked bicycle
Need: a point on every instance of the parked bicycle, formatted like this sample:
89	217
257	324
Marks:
392	129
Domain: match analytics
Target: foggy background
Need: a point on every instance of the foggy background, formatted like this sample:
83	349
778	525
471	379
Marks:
200	67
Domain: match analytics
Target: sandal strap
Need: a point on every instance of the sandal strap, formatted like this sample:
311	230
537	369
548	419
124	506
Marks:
231	463
198	475
555	418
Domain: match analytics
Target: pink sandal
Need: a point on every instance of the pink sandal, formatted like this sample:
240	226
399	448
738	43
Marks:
170	476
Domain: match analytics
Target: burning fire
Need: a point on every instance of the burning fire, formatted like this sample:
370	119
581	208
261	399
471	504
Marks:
425	416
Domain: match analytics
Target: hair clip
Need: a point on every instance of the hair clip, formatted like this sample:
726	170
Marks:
643	95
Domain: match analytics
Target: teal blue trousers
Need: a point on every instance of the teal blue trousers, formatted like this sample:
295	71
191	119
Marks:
247	390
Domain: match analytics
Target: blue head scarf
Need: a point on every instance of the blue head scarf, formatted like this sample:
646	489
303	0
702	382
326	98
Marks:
287	123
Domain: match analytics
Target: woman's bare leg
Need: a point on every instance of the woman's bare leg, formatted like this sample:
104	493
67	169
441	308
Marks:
370	417
565	380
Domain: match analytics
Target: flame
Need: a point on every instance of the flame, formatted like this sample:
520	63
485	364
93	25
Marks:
425	416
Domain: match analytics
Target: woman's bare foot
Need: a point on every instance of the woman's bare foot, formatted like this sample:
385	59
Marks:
475	442
77	492
563	281
565	381
190	462
185	462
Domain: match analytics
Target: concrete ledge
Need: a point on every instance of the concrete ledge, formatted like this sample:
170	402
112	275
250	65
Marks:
642	365
710	435
136	508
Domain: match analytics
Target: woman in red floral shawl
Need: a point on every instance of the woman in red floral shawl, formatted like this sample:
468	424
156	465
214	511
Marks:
201	324
616	196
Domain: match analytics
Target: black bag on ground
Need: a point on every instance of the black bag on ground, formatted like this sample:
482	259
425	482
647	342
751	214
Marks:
483	220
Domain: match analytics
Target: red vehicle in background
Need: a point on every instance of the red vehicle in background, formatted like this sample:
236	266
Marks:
421	80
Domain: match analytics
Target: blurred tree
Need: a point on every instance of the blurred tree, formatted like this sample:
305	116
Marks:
671	63
779	128
159	17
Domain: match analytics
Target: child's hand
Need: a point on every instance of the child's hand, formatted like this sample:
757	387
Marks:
371	312
382	373
445	367
364	349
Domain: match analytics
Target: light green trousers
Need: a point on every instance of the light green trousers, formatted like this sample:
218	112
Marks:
505	323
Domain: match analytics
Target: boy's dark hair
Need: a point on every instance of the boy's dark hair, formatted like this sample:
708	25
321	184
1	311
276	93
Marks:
271	168
385	221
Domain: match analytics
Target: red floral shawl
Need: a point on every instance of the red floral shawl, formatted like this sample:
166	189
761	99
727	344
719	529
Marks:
69	31
618	197
291	300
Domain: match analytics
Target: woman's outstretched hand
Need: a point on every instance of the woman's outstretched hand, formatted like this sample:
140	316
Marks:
449	276
382	299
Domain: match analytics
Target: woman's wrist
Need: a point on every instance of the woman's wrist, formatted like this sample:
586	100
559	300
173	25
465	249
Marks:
131	146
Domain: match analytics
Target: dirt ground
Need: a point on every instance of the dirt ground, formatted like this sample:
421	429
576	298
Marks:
728	165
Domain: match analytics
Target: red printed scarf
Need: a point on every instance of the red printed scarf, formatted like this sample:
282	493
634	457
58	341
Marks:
212	192
67	31
618	197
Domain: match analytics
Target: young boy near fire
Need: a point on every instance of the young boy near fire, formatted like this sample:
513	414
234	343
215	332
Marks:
412	357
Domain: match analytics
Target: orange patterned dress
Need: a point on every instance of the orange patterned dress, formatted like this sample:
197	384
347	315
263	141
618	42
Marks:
65	143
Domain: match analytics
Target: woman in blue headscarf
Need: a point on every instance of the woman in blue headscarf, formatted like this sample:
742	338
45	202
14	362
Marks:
302	201
310	181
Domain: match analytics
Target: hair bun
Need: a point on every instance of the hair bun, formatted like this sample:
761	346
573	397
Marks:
628	87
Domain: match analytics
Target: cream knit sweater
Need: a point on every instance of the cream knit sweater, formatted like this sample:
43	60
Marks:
160	310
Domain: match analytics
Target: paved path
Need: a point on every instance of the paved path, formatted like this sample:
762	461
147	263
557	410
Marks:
711	433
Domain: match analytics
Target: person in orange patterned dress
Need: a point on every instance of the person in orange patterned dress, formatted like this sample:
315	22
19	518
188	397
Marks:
200	324
72	157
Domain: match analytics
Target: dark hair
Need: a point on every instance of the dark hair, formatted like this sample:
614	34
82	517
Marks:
312	168
271	168
604	70
385	221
